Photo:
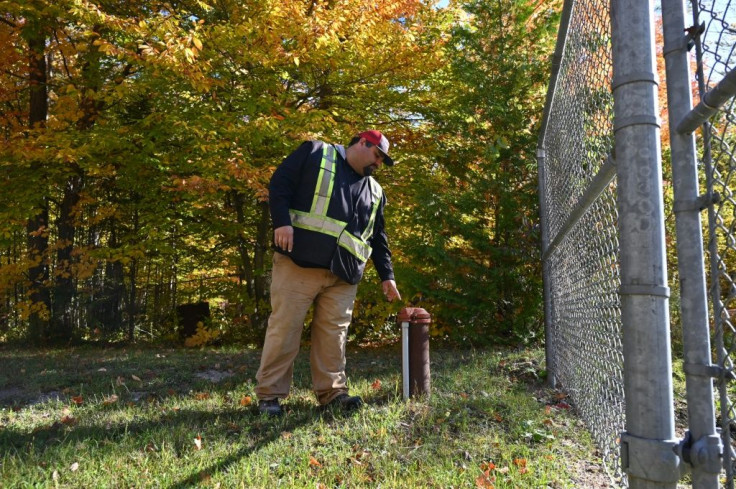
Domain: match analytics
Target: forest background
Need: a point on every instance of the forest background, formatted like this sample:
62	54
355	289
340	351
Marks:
138	139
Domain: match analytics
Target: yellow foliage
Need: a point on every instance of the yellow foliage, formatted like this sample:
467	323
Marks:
204	336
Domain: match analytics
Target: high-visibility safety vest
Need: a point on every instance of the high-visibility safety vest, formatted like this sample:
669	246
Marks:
317	220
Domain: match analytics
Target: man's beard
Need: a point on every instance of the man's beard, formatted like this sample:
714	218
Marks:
368	170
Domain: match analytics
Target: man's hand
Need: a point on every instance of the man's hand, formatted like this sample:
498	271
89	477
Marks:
390	291
283	238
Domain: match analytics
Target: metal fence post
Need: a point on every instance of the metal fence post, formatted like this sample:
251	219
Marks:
549	351
702	448
647	445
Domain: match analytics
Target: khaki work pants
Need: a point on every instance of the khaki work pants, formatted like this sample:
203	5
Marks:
293	290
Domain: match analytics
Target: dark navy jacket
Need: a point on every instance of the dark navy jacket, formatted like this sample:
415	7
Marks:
292	187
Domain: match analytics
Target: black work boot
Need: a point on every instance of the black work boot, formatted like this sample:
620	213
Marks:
270	407
346	403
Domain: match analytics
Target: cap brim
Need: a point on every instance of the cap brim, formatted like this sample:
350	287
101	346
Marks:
386	158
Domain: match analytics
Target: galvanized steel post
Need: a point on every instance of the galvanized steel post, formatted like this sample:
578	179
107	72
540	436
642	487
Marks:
415	323
702	448
648	445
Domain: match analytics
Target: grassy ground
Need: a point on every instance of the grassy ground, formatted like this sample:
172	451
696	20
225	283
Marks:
137	417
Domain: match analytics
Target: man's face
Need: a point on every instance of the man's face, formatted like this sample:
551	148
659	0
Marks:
370	158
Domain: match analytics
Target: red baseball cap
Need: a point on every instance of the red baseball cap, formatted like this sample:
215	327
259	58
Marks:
380	141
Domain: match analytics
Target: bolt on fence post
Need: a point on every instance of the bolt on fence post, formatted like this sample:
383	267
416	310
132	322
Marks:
647	445
415	323
691	262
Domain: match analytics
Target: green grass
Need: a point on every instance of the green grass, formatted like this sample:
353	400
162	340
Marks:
134	417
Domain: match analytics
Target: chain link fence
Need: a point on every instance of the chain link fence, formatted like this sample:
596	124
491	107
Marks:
578	192
580	229
716	61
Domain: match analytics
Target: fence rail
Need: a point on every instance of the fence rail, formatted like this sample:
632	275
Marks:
601	202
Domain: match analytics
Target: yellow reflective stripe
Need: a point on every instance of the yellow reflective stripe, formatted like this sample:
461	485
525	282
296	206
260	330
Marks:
377	193
357	247
320	224
325	181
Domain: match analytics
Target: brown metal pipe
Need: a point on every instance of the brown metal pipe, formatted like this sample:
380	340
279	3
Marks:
419	372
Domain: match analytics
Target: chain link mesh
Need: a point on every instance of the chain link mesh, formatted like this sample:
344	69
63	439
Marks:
716	56
583	267
585	347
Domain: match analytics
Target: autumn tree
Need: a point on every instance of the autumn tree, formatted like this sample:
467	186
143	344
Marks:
164	125
479	241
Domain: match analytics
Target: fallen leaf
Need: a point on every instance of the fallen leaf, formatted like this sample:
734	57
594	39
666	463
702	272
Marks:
110	400
487	467
78	400
463	395
376	385
246	401
286	435
201	396
483	482
136	378
74	467
120	380
103	369
198	442
520	462
314	462
55	475
69	420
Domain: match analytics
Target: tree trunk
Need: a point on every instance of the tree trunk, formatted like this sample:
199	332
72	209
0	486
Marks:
64	286
246	265
132	299
260	286
37	239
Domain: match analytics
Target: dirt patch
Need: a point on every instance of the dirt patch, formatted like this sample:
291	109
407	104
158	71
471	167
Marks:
214	375
11	394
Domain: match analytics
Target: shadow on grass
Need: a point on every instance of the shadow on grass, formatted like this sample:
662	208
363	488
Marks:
162	375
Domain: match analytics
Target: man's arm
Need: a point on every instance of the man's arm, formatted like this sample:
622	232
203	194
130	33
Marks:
284	183
381	256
